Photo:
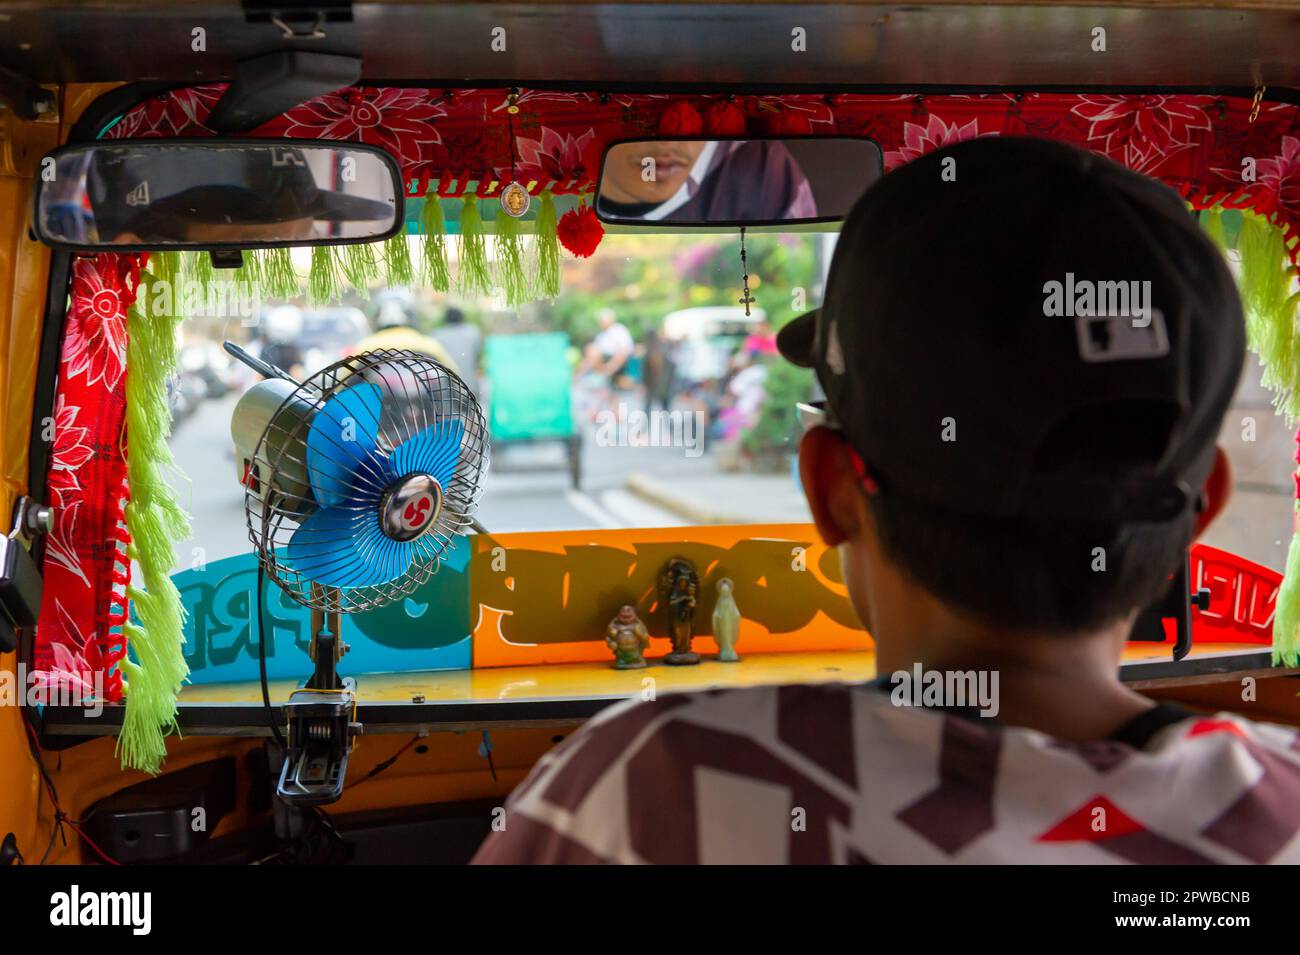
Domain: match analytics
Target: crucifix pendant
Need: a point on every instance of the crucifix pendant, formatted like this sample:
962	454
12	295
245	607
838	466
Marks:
745	299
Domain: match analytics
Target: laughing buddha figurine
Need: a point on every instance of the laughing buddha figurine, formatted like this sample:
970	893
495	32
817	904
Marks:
726	622
627	638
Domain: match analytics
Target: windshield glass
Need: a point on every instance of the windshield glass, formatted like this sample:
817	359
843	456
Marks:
643	395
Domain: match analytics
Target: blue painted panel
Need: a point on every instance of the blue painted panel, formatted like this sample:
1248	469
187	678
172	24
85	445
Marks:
429	630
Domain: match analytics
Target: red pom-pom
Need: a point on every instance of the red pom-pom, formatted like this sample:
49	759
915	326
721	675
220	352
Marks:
681	119
725	119
789	124
580	231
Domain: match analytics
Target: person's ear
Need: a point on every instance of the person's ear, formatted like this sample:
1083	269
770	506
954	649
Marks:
827	474
1215	494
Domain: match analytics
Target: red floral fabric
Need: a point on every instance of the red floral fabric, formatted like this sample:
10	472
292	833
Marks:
1204	146
401	121
80	640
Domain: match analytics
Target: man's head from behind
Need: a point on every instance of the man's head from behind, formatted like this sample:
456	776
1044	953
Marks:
1027	352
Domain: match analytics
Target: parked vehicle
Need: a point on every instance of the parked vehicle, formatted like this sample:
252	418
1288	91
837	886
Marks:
529	394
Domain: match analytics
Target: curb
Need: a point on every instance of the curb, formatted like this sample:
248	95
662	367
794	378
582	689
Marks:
658	493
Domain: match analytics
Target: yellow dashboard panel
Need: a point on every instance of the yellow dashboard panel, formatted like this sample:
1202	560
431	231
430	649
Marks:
600	680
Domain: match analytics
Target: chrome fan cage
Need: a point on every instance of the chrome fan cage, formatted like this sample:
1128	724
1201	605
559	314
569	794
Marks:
417	393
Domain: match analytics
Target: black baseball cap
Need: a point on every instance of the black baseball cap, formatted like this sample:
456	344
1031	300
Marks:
156	194
959	357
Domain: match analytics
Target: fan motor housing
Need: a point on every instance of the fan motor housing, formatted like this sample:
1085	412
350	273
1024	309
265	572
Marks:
273	407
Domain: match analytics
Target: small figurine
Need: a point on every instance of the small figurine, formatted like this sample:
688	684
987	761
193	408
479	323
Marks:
679	584
628	639
726	622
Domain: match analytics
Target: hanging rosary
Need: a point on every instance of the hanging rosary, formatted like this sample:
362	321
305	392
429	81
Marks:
745	299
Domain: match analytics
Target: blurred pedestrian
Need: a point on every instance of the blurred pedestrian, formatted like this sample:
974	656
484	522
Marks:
394	328
463	342
762	340
657	372
281	339
606	357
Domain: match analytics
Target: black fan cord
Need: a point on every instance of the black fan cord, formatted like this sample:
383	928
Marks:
261	660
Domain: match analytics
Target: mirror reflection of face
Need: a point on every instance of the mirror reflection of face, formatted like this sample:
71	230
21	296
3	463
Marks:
627	170
227	232
215	194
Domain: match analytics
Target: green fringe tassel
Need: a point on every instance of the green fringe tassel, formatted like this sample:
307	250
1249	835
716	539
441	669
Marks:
475	276
510	259
199	268
359	267
323	283
1211	221
278	276
434	270
156	522
522	274
251	271
397	261
1286	612
166	267
548	249
1266	281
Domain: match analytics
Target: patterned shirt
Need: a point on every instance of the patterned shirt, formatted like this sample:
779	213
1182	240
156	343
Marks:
839	774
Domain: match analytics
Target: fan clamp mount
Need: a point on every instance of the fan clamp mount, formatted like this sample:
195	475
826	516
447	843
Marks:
410	506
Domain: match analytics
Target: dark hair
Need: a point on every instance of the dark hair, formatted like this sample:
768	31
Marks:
1051	577
454	316
1026	577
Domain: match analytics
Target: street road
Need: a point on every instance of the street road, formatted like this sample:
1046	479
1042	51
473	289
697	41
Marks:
526	488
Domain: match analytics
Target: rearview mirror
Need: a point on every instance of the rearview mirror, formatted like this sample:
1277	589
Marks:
735	182
211	194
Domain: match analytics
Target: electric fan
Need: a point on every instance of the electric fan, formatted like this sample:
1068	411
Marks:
356	481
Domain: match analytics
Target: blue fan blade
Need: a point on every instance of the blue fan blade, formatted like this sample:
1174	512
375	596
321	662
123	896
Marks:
341	444
336	547
388	558
434	450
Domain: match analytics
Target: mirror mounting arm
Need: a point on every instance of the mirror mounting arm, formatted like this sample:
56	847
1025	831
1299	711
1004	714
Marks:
270	85
22	95
287	14
226	258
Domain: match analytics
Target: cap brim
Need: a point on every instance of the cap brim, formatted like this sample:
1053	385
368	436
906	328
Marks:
342	207
227	204
795	339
